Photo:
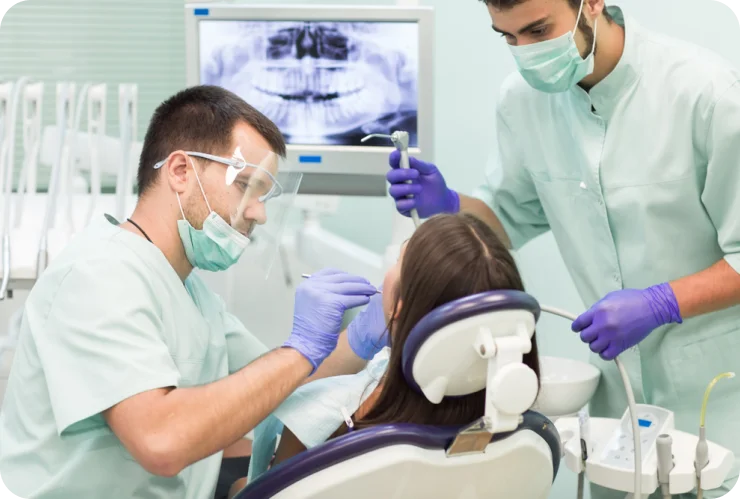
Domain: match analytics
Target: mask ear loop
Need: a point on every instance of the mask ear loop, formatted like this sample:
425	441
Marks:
182	212
575	29
593	46
578	18
200	185
180	204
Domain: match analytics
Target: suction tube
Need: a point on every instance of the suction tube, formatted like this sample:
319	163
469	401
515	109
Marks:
630	401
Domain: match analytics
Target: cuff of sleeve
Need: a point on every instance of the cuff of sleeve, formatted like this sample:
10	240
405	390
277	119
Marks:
66	419
734	260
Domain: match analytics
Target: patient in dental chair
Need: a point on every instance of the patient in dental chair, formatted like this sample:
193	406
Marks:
448	257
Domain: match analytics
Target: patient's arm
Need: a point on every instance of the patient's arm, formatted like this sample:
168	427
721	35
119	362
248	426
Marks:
289	444
288	447
237	486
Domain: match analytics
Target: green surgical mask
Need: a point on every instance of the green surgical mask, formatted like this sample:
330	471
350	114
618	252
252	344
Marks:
217	246
555	65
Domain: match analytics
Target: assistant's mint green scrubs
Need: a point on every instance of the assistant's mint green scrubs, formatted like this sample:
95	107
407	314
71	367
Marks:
108	319
639	181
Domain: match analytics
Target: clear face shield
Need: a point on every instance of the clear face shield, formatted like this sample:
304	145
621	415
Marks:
264	187
260	189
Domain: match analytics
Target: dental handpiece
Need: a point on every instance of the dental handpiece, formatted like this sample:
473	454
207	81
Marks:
665	463
306	276
400	140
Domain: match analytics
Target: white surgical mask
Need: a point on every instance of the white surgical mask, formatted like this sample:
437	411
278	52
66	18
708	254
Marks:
555	65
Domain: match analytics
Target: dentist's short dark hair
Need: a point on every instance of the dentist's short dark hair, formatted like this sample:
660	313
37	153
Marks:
202	119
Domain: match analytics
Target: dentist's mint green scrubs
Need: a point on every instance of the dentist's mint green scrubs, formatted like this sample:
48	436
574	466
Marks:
109	319
639	182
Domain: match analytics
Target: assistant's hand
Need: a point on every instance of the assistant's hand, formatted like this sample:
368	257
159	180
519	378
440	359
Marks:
367	334
427	193
624	318
320	304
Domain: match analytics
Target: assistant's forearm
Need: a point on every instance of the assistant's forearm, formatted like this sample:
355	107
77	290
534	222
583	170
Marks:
481	210
715	288
343	360
203	420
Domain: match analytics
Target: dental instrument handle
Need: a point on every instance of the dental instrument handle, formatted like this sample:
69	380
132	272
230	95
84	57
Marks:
585	437
62	108
6	267
630	402
665	463
701	459
7	161
400	141
405	165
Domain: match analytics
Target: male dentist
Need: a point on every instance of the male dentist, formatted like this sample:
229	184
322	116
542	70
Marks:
130	377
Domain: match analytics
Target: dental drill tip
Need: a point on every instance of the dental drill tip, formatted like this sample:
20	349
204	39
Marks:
373	135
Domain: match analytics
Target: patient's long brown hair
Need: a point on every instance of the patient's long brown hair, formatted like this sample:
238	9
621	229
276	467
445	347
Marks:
448	257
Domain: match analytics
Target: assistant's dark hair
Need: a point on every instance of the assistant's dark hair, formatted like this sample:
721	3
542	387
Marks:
508	4
202	119
448	257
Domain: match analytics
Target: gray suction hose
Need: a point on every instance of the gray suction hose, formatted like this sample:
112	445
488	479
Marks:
630	400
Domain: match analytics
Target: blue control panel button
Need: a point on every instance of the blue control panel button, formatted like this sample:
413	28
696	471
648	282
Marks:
644	423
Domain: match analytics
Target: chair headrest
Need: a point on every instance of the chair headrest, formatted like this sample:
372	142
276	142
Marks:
438	354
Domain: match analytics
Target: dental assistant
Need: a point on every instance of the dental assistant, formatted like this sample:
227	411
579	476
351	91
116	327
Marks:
130	376
626	145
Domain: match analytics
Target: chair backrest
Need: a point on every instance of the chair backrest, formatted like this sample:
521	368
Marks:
463	347
410	461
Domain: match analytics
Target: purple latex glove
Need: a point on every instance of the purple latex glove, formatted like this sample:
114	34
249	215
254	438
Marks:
367	333
428	192
320	304
624	318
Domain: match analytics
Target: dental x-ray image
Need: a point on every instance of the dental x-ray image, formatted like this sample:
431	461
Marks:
322	83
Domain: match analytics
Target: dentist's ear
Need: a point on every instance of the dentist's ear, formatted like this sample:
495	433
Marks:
593	8
177	171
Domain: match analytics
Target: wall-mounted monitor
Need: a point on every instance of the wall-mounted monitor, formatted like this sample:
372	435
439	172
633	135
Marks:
327	76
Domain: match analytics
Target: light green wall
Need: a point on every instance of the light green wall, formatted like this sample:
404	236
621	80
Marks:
96	41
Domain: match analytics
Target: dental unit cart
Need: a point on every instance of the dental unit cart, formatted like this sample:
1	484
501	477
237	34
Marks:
610	461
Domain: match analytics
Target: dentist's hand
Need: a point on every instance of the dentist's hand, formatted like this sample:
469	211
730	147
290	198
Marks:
320	304
624	318
427	193
367	334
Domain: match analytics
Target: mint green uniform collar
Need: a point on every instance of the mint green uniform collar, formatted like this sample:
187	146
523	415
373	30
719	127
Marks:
610	91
